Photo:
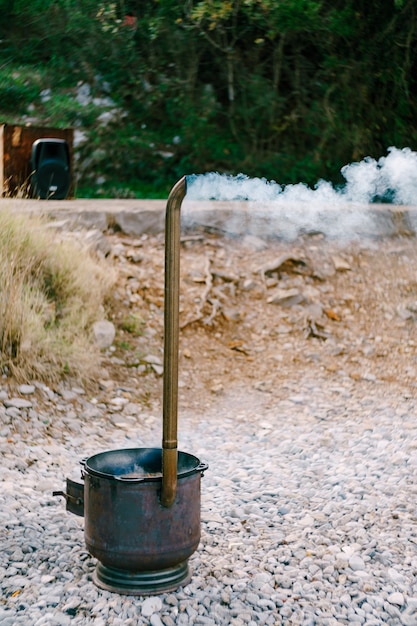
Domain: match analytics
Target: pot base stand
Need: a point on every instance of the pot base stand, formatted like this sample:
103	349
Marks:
141	583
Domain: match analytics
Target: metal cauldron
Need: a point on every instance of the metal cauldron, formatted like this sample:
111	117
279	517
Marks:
142	505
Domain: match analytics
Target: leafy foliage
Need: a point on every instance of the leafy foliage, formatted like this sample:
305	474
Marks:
288	89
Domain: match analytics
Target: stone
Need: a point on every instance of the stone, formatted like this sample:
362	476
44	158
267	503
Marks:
155	620
396	598
151	605
26	390
307	521
356	562
249	284
152	359
104	333
95	240
286	297
409	615
285	263
340	264
17	403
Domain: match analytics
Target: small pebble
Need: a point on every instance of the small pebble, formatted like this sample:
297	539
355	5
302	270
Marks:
396	598
17	403
26	390
356	563
151	605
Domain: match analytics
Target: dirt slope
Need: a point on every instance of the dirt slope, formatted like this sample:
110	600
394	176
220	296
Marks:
257	314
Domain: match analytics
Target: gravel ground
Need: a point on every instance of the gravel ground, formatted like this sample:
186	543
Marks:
308	512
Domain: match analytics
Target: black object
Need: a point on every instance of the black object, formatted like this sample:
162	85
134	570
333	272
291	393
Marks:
50	167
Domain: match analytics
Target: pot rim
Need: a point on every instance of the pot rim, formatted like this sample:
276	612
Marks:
156	452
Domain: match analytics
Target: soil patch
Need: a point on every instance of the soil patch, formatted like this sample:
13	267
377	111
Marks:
257	314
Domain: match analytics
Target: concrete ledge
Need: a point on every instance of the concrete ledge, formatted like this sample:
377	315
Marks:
132	217
238	218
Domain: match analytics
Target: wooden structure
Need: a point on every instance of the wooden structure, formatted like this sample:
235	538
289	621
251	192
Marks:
15	152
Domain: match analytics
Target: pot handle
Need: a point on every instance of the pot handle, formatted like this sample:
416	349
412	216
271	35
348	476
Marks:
74	497
202	467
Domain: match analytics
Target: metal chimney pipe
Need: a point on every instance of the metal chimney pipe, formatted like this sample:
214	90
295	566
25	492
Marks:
171	342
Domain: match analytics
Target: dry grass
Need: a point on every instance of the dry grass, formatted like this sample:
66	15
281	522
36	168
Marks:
23	191
51	292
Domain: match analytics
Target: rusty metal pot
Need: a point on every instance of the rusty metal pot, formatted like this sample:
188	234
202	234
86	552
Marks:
126	525
142	546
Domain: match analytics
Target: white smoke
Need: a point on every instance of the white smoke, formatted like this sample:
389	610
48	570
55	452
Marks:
214	186
292	209
392	178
